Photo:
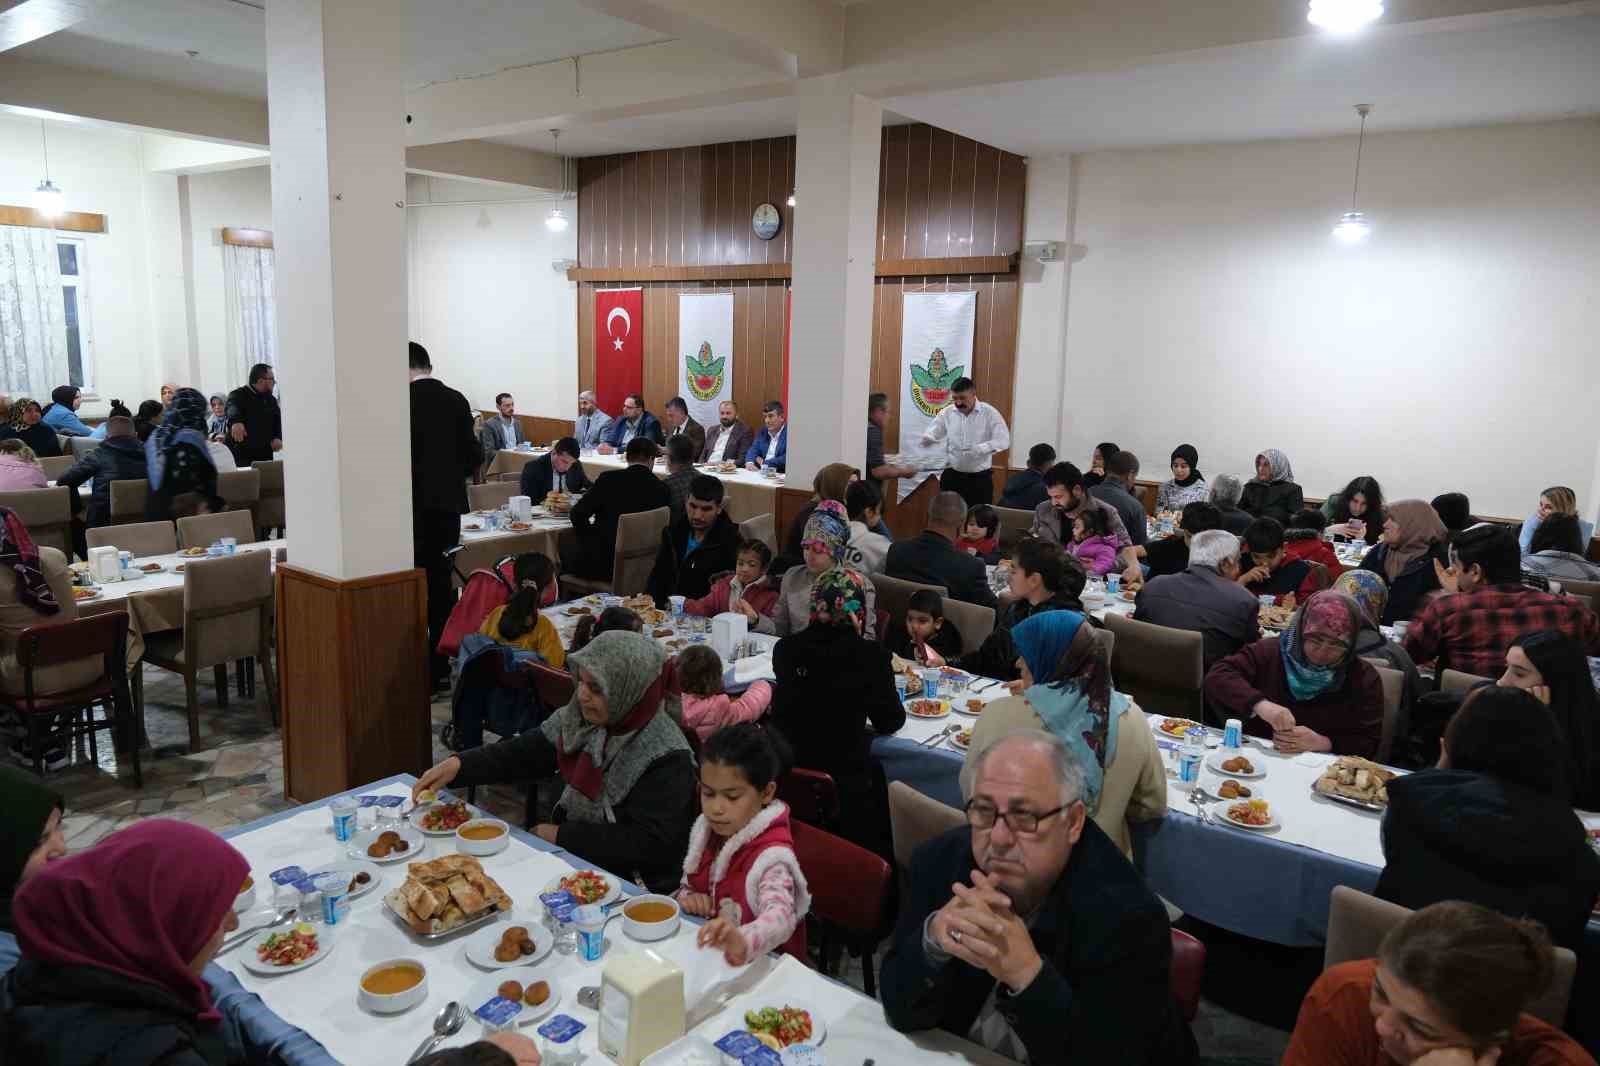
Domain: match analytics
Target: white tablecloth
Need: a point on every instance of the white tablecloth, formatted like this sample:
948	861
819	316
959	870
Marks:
748	493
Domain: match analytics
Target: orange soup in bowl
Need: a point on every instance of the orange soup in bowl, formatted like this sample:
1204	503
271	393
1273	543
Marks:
480	832
391	980
650	911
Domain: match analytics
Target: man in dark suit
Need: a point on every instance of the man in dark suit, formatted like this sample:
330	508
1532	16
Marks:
559	471
729	439
677	422
444	454
932	557
697	546
1050	945
615	493
634	421
255	422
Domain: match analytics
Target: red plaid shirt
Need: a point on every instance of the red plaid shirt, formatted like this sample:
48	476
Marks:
1470	631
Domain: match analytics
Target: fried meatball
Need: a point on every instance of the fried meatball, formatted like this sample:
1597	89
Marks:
536	994
510	990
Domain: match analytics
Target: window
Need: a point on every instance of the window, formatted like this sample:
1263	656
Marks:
75	311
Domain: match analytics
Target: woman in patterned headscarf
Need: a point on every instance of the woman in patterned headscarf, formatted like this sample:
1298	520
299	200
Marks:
1273	492
180	462
822	545
1307	690
1372	596
831	681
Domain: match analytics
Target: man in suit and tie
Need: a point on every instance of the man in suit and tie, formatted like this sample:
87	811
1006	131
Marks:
444	454
615	493
590	429
635	422
729	439
676	421
559	471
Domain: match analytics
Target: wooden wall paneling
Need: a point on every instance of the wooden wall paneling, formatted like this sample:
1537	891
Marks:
986	164
585	335
918	164
963	175
1010	193
941	209
892	198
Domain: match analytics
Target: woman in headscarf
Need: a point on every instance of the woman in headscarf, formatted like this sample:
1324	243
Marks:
631	790
1553	668
27	425
1186	485
1068	691
831	483
217	422
1273	492
1307	689
1097	463
1372	596
1413	538
114	940
179	460
60	414
822	546
832	679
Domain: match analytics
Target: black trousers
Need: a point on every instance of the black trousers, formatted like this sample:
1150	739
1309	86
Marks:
974	488
432	534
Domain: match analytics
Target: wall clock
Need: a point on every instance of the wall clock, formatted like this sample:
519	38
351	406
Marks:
766	222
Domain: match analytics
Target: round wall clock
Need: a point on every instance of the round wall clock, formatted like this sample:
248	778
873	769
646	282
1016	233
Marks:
766	222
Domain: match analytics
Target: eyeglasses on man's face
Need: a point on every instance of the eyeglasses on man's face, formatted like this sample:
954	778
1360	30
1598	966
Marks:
981	814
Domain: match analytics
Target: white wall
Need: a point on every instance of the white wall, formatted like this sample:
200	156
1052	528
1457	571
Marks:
1456	350
1041	318
484	300
230	198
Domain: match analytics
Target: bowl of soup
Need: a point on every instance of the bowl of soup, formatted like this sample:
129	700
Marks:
482	836
393	986
246	897
650	917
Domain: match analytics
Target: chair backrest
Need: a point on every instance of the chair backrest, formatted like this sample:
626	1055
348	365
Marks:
128	499
140	538
486	554
1160	667
849	884
240	489
81	446
915	819
974	622
894	594
491	495
760	528
555	687
1317	577
1394	686
227	607
47	514
638	537
55	643
1357	924
1458	681
204	530
1582	597
55	465
270	509
1014	523
811	796
1574	587
1187	972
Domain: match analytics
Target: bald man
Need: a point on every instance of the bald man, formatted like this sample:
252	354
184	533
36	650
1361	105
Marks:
592	422
932	557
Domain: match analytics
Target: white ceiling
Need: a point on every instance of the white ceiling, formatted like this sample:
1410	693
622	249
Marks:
1542	69
445	39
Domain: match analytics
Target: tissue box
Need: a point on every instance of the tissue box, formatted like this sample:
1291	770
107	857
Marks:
728	630
521	507
104	563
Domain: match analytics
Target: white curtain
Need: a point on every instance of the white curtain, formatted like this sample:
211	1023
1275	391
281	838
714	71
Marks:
33	332
252	332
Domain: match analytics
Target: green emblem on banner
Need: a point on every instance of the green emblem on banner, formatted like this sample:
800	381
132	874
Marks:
930	385
703	374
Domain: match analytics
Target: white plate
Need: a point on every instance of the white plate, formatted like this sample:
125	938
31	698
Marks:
489	987
94	594
325	945
959	706
417	844
944	708
612	894
1221	813
481	945
1155	726
138	570
349	870
957	743
414	818
1215	760
819	1028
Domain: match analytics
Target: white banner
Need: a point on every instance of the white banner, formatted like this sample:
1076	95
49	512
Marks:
705	339
935	349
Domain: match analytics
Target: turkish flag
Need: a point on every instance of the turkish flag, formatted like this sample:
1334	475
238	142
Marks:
618	347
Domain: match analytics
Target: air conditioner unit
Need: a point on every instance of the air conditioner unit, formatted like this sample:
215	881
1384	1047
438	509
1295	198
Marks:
1044	251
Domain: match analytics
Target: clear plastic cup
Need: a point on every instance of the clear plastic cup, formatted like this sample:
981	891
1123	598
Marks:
343	811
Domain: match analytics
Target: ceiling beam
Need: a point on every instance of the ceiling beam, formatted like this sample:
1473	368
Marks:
790	38
486	162
25	21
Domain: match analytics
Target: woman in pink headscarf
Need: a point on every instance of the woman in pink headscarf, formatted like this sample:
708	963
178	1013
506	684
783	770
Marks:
113	942
1307	689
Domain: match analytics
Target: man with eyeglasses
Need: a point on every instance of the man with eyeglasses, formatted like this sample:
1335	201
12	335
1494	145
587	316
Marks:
1028	931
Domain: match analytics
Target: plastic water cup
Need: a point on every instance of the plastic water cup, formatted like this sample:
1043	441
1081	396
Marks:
230	545
930	683
677	607
343	810
1189	756
331	891
1268	601
591	923
1233	733
1113	583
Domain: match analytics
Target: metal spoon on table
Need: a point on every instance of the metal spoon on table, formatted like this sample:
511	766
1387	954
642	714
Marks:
938	738
446	1023
282	917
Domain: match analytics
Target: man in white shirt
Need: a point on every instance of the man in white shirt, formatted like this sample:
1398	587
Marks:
973	433
503	430
592	422
727	441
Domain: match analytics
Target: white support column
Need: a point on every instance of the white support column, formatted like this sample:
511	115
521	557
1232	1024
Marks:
337	117
1039	408
836	193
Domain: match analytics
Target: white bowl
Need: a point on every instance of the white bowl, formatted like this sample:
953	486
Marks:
493	846
246	897
651	930
396	1002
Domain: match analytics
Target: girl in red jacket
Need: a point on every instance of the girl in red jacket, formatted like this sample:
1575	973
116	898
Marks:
748	583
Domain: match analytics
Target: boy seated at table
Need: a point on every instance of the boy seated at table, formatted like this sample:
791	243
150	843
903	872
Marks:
747	585
980	533
1303	540
706	707
1273	573
927	638
591	626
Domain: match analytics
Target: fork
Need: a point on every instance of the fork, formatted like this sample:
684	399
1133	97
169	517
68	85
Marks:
284	916
938	738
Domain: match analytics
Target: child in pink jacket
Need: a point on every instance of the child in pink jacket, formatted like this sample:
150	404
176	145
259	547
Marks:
706	708
1092	542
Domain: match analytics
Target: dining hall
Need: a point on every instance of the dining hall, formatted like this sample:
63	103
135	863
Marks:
755	625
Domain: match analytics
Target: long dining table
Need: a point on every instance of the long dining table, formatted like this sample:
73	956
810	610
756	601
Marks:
748	493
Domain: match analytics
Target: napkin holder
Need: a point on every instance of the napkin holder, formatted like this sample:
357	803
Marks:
641	1006
521	507
728	631
105	564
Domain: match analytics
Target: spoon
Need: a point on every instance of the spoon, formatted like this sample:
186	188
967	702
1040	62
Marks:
283	916
446	1023
938	738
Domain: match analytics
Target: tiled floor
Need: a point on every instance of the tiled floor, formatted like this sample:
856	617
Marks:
238	778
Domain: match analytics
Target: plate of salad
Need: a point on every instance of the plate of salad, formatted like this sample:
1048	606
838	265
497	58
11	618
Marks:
778	1027
289	949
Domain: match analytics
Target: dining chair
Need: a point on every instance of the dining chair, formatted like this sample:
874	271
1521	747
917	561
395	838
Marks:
1574	587
1460	681
1394	685
915	819
128	498
1161	667
894	596
271	513
73	711
1014	525
55	465
204	530
241	491
811	796
227	615
491	495
638	537
81	446
140	538
1582	597
1187	973
760	527
46	513
488	554
1357	924
849	894
975	623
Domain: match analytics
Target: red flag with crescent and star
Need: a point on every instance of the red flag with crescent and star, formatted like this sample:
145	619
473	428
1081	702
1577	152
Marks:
618	347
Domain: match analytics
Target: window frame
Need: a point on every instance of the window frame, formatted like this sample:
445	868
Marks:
82	283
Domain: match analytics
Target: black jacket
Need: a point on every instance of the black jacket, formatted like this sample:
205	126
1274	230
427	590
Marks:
263	423
539	476
1103	994
1025	491
997	656
594	517
946	641
116	459
931	559
40	437
678	575
1129	509
84	1016
1407	591
651	833
1235	521
444	450
1280	499
1454	834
